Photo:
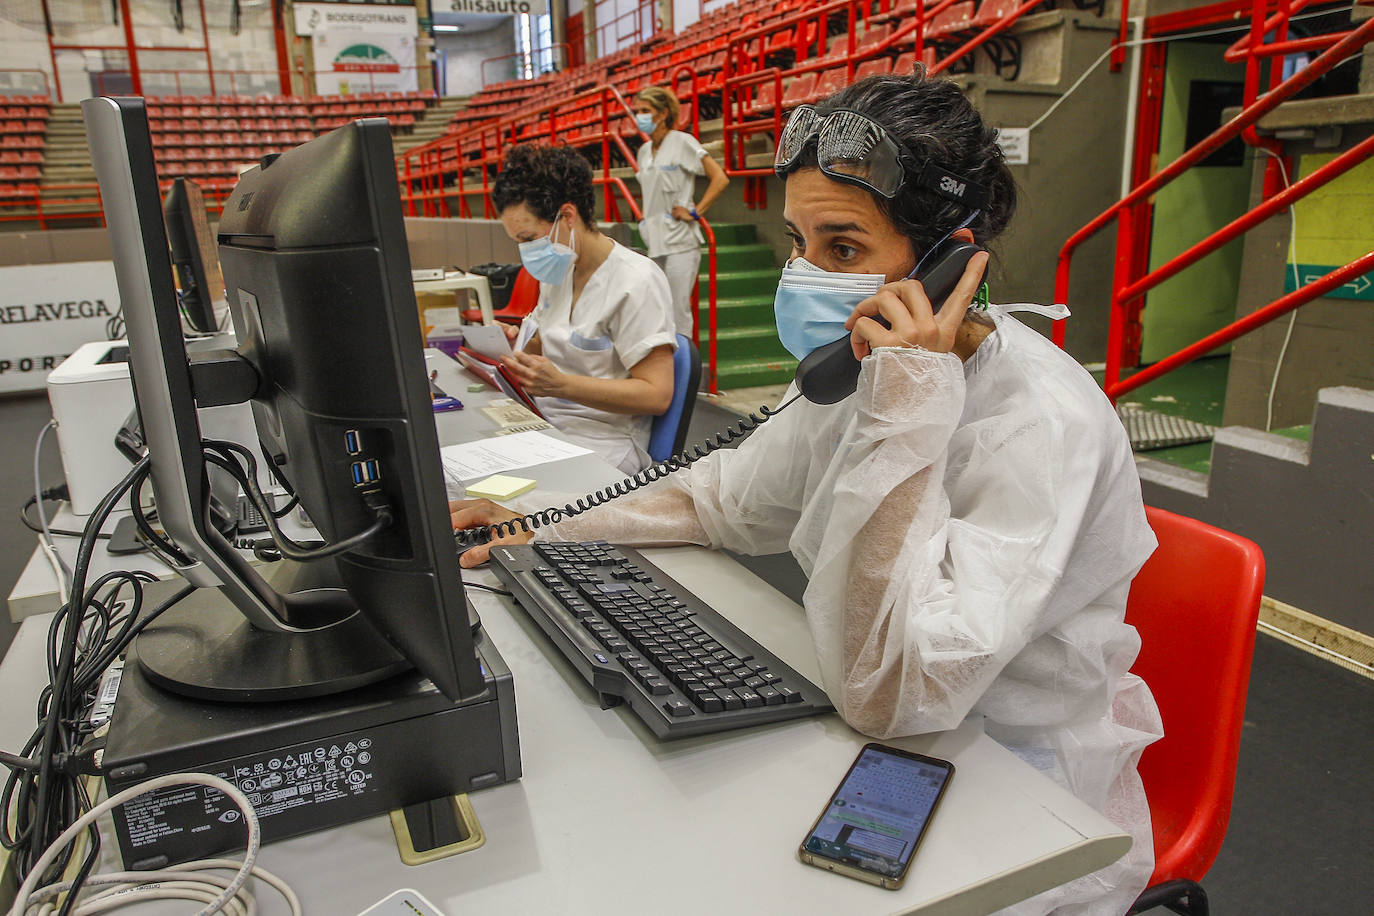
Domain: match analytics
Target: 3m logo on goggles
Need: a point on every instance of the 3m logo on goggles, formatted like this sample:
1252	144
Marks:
955	187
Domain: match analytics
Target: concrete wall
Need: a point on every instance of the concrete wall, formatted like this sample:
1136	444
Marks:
1074	173
1333	339
458	242
464	52
1308	506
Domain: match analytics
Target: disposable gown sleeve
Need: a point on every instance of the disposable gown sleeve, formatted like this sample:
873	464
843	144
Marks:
915	612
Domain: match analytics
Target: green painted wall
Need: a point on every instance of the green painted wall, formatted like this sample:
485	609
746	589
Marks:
1202	298
1333	222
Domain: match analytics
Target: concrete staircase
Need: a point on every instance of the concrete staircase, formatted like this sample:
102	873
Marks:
66	160
748	352
431	123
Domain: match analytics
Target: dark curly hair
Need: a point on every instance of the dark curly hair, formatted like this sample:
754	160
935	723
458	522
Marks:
544	178
933	120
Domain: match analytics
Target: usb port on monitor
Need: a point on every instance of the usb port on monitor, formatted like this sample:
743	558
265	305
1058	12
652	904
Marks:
352	442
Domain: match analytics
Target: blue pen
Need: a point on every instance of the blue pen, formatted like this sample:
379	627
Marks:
444	403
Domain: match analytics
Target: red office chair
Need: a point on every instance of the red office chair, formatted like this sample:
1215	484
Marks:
1195	603
524	296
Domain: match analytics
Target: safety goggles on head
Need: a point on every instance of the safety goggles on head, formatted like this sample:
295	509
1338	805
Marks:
857	150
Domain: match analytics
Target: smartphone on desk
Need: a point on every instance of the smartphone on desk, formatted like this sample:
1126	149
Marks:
872	825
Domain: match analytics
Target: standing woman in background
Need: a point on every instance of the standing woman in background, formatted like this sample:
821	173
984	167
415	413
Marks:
668	165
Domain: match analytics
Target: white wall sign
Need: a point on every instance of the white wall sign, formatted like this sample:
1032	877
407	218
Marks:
1015	144
498	7
314	18
46	312
359	47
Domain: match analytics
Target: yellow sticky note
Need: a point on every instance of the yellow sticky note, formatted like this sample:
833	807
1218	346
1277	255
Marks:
500	486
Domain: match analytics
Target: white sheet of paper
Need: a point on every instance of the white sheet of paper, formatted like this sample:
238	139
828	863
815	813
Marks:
475	460
487	339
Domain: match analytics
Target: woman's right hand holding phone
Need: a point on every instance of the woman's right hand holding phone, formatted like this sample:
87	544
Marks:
480	513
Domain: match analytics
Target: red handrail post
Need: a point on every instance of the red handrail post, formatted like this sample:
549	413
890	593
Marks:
711	314
1298	297
1119	45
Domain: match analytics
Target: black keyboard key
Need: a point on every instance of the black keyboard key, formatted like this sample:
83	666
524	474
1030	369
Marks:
730	680
658	686
708	702
751	699
754	682
678	708
743	672
731	699
771	696
788	694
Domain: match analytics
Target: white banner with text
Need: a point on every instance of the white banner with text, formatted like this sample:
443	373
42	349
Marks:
46	312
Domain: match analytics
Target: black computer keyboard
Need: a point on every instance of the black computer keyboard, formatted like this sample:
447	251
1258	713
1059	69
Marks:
640	638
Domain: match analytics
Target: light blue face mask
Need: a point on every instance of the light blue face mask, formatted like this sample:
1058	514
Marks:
812	305
645	123
549	261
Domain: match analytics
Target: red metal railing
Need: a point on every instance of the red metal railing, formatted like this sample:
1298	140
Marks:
81	201
746	67
1127	289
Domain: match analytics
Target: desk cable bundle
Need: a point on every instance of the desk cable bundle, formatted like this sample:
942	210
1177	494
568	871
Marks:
46	810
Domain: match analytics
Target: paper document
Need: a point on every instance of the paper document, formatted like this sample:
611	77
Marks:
507	412
488	339
473	460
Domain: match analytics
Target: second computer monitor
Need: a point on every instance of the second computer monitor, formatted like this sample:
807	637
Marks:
194	256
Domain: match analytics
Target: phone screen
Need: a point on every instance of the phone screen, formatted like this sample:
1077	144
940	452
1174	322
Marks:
877	816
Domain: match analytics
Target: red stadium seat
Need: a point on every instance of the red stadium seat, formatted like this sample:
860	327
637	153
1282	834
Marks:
799	91
881	66
831	81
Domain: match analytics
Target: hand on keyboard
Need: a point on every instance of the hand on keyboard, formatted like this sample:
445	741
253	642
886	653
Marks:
477	513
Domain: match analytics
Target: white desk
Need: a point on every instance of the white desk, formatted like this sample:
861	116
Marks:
455	280
607	819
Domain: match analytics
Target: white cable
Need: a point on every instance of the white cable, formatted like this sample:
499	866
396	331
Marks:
64	575
58	572
216	903
186	871
1297	284
1156	40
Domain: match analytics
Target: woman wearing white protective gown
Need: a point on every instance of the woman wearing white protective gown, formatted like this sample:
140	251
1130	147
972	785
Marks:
970	518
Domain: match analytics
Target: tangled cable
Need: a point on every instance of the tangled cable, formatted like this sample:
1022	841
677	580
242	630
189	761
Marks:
469	537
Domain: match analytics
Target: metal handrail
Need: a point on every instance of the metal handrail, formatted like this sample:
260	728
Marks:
1277	308
1202	150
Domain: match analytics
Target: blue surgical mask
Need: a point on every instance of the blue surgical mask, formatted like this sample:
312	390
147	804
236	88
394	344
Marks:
812	305
549	261
645	123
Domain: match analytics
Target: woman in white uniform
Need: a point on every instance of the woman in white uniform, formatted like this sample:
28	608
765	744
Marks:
970	518
668	165
597	351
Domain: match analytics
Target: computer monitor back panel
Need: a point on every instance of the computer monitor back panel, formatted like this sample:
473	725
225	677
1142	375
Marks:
317	275
194	256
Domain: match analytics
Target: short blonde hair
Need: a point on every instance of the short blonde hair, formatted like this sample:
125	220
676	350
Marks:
663	101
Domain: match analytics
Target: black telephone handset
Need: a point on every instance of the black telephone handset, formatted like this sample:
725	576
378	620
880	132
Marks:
829	374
